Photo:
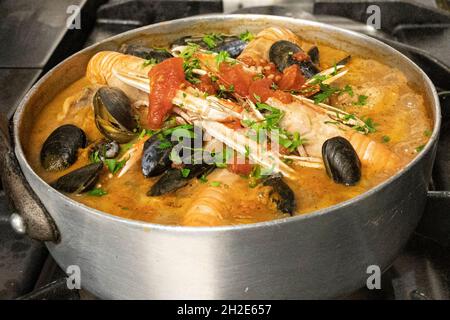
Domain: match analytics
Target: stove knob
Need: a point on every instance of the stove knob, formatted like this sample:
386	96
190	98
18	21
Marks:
17	223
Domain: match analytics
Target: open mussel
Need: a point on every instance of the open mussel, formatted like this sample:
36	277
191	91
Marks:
105	149
341	161
313	53
285	53
60	149
174	179
79	180
281	194
113	115
156	156
157	55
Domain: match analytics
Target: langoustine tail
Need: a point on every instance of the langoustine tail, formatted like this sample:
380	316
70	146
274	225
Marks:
212	202
374	154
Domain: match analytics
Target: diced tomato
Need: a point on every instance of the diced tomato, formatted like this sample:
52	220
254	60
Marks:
165	79
292	78
236	76
241	168
300	56
206	85
260	90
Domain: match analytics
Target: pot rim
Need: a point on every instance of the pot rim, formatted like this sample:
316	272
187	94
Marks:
276	222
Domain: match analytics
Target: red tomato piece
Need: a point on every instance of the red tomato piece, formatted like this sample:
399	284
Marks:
292	78
236	76
165	79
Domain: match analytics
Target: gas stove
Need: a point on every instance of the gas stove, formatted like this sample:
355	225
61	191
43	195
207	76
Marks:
419	30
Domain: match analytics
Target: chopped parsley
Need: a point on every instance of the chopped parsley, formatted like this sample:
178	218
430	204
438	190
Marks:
427	133
271	123
224	91
326	91
149	62
222	56
94	157
164	144
97	192
114	166
385	139
211	39
190	62
362	100
216	183
368	127
185	172
203	179
420	148
246	36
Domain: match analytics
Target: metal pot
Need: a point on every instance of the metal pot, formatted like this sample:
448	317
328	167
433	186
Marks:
323	254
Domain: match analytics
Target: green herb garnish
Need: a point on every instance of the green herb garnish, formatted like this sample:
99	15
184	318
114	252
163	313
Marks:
420	148
148	62
185	172
97	192
216	183
246	36
114	166
362	100
203	179
385	139
222	56
211	39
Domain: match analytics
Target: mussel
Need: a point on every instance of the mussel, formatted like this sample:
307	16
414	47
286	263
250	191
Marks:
341	161
113	115
60	149
79	180
283	54
281	194
173	179
344	61
231	44
313	53
158	55
156	156
106	149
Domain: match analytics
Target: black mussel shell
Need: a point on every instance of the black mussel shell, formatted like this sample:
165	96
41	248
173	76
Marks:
344	61
313	53
60	149
281	194
173	179
234	47
156	157
113	114
281	54
341	161
158	55
79	180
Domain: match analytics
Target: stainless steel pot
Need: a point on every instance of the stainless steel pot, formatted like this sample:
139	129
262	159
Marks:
324	254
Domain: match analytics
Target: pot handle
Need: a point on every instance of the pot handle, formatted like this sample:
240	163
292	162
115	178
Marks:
30	216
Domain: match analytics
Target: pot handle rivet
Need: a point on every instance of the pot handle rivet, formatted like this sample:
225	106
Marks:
17	223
